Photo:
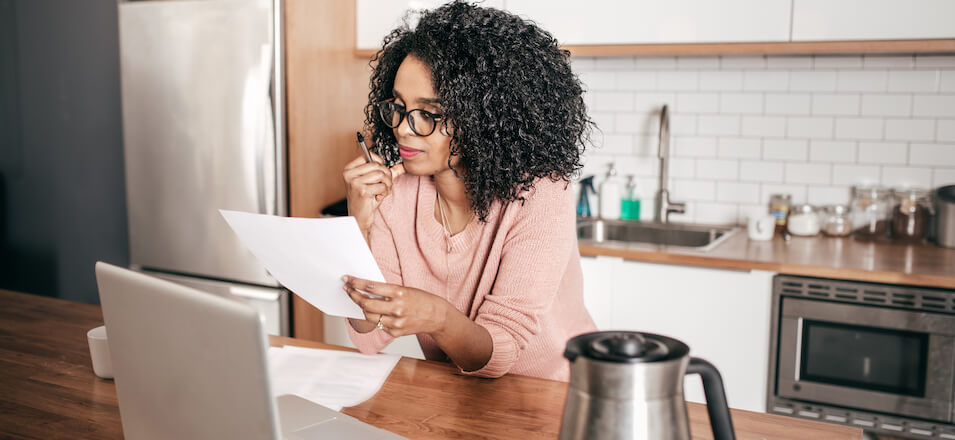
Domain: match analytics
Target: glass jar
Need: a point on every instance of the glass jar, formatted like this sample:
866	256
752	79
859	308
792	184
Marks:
870	206
779	205
910	216
836	221
803	221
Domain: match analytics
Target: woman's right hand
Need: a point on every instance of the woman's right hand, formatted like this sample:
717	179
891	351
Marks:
366	185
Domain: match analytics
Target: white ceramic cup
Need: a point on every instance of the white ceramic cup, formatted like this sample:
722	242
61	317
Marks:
761	227
99	352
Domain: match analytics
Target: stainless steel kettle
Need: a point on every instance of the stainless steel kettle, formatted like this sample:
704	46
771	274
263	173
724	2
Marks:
629	385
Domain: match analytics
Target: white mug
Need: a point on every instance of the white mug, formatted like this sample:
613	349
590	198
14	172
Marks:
761	227
99	352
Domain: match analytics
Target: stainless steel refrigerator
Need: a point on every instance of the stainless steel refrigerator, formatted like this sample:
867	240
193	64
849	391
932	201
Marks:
203	128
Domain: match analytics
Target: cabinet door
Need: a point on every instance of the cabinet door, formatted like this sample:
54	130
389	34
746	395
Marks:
599	22
817	20
376	18
598	288
723	315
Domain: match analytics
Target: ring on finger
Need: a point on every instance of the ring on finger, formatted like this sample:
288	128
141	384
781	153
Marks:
379	326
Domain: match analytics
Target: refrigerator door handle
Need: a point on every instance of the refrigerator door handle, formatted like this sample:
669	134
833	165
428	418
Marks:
265	151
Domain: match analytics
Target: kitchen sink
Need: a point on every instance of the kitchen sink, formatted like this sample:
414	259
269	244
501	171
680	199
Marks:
682	235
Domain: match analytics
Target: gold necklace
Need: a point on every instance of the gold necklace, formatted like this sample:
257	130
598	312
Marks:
444	223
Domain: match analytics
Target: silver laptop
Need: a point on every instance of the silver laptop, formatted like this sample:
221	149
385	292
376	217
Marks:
192	365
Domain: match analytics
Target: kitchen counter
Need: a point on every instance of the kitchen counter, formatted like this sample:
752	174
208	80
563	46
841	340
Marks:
48	390
826	257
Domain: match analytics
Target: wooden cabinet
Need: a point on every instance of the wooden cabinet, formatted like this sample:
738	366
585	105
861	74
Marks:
723	315
599	22
822	20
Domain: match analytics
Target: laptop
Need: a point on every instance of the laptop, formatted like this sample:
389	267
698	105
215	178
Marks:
192	365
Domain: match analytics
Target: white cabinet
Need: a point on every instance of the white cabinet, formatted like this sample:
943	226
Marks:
723	315
599	22
376	18
823	20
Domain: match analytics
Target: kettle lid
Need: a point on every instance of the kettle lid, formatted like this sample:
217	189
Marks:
625	347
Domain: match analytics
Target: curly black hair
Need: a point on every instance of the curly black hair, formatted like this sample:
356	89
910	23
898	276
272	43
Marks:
508	91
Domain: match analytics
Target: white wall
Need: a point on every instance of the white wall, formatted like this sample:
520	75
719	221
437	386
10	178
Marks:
746	127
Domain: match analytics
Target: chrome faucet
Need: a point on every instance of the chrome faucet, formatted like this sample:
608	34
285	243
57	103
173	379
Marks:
663	204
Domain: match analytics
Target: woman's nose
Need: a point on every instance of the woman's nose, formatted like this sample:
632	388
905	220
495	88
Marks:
404	127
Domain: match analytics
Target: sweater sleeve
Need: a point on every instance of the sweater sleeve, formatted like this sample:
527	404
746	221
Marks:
536	251
386	255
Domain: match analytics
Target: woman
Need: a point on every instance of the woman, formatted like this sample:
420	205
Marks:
474	230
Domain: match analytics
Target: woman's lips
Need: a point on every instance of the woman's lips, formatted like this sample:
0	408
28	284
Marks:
407	152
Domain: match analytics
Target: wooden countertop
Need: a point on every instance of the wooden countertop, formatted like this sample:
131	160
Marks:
827	257
48	390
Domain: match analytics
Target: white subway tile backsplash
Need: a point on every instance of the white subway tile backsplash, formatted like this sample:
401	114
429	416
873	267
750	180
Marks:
612	101
862	81
913	81
812	81
829	104
886	105
691	146
832	151
634	80
718	169
694	190
828	195
749	211
947	81
737	192
891	61
697	102
765	80
744	127
858	128
742	103
760	171
721	81
946	130
855	174
788	103
934	61
698	63
655	63
818	128
596	80
808	173
785	149
910	129
742	62
614	63
678	80
940	106
769	126
789	62
932	154
837	62
883	152
943	177
901	177
740	148
796	191
718	125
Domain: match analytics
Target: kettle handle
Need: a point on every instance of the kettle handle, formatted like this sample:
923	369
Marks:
716	405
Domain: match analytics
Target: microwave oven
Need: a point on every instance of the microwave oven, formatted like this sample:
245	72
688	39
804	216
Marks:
880	357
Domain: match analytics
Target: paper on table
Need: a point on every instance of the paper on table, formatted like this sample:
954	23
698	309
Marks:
329	377
309	255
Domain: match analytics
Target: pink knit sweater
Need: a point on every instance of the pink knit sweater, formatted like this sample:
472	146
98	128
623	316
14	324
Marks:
518	275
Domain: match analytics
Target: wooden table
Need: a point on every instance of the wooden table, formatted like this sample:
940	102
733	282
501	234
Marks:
48	390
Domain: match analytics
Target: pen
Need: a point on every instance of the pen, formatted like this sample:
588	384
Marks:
364	148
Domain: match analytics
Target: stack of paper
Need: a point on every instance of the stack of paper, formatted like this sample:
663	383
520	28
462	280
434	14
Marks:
331	378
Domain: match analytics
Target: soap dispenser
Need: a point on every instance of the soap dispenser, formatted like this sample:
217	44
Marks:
610	195
583	202
630	205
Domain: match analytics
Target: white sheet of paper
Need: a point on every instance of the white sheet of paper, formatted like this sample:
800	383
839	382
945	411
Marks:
328	377
309	256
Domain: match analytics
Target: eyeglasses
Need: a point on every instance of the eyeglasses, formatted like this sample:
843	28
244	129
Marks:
422	122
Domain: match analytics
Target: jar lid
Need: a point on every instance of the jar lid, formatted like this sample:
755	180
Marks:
835	209
783	196
912	193
803	208
872	191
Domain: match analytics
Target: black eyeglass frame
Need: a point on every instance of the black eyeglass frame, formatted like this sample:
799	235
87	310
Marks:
403	112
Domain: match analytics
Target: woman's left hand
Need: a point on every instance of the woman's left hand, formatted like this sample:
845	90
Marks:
404	310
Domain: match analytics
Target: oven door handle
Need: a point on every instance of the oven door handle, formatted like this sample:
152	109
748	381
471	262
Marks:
798	368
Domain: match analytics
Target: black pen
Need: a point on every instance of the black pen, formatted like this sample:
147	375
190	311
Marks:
364	148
